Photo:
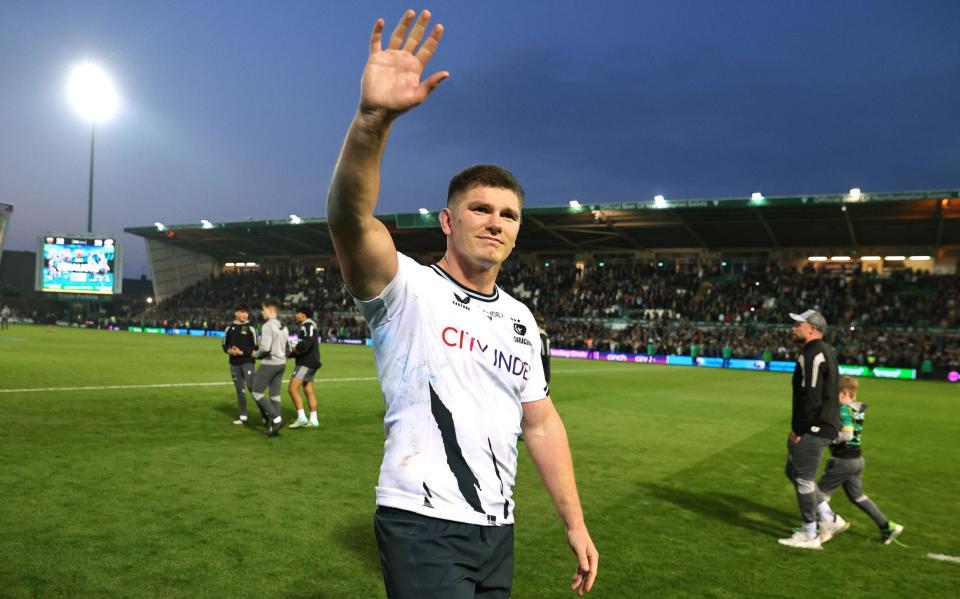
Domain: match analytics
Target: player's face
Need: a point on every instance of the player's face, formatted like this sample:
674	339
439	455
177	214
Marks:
845	397
801	330
300	316
483	224
267	312
241	315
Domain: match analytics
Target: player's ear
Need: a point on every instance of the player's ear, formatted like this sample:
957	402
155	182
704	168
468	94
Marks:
446	221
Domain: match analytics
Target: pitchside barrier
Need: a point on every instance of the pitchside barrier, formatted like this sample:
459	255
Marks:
882	372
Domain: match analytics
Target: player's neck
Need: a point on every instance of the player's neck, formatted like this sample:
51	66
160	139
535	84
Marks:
474	276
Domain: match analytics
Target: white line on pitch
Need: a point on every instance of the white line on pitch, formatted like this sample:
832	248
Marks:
944	558
174	385
168	385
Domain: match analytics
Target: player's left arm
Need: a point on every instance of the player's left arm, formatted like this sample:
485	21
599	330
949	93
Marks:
546	440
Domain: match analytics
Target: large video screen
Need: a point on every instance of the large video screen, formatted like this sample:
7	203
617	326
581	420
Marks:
79	264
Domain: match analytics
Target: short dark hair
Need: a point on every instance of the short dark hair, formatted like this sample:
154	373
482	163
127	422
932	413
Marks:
271	303
484	175
306	311
242	308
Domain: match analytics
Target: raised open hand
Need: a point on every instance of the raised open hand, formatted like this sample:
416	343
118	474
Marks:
391	80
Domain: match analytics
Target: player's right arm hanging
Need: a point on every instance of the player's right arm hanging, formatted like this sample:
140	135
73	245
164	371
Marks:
390	86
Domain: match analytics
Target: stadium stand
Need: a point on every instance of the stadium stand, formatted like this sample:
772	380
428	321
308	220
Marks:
715	274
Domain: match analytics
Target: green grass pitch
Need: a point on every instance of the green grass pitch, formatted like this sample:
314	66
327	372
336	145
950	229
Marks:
129	490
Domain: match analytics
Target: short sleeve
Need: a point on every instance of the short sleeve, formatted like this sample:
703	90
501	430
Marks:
394	298
536	387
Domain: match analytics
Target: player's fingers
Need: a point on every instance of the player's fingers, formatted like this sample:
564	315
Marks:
577	580
425	53
434	81
396	38
376	37
416	34
594	566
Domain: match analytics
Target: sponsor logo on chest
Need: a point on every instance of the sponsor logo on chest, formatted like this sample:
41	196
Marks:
462	339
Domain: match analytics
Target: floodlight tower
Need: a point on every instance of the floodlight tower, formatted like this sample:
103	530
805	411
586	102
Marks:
94	99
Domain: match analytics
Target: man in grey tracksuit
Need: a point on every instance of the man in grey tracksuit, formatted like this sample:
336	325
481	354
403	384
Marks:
815	422
274	340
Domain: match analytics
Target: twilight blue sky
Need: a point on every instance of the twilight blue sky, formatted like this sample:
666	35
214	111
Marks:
237	109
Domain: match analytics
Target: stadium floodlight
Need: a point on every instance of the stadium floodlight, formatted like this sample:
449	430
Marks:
251	263
919	258
160	226
424	211
756	196
840	258
871	259
575	204
92	93
855	193
659	201
295	220
817	258
149	300
895	258
204	223
94	98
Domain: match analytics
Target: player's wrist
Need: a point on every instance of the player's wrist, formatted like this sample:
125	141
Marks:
374	119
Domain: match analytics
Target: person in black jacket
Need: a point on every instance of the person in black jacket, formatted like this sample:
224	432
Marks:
815	422
307	358
240	341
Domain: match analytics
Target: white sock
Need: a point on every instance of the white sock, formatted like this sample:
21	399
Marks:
313	418
826	514
243	418
301	415
811	529
278	419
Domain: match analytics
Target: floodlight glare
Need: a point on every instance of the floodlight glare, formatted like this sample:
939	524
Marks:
424	211
871	258
659	201
895	258
295	220
756	196
854	193
919	258
575	204
206	224
92	93
840	258
160	226
817	258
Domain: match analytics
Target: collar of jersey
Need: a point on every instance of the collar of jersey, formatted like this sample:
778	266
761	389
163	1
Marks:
483	297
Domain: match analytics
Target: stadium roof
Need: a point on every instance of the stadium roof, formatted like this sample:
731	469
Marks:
922	218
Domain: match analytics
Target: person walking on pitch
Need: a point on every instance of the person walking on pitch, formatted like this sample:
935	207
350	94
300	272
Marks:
845	469
306	355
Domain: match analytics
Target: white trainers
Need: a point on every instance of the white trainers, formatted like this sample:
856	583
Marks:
299	423
829	529
239	421
800	540
313	424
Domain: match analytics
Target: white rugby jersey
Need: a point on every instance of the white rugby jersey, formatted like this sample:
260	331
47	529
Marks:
454	367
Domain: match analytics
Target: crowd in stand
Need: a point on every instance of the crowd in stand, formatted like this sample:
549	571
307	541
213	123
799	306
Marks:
638	307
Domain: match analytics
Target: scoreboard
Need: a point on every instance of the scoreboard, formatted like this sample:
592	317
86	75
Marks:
85	264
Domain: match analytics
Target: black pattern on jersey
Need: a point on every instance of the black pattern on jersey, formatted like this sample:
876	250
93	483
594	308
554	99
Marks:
506	504
426	498
466	480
